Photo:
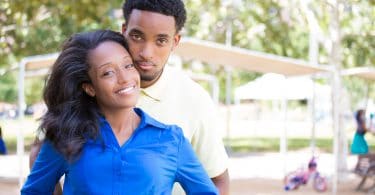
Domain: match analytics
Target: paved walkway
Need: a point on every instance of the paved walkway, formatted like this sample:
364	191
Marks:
251	173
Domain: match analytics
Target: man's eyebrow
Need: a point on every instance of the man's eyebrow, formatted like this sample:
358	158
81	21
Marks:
134	30
163	36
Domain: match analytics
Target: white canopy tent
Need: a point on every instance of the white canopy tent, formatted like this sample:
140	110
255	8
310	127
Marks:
277	87
272	86
192	49
365	73
253	61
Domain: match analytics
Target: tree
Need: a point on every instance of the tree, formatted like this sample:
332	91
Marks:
36	27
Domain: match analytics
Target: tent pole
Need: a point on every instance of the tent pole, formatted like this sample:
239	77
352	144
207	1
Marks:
283	137
21	109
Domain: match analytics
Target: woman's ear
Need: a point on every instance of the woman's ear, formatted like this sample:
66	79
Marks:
88	89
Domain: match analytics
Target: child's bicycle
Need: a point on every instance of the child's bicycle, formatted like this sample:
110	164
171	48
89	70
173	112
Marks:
301	176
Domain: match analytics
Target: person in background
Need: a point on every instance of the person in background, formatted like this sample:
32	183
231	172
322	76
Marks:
152	30
3	147
359	144
96	137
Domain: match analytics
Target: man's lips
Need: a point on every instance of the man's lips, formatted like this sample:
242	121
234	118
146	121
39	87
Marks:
145	65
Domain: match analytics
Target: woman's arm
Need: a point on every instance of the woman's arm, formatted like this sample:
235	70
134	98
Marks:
190	173
48	168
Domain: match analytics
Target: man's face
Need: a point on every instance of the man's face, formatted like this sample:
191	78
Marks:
151	37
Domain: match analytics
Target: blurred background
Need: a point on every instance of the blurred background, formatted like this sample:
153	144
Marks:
334	34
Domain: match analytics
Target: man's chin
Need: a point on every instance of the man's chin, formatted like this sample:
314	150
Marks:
147	78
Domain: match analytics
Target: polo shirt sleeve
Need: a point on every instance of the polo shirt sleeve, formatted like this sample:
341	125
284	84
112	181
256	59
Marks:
190	173
207	139
46	171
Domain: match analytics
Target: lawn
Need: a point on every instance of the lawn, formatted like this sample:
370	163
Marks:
245	144
262	144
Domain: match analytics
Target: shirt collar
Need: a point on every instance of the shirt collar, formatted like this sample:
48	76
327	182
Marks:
148	120
145	120
155	91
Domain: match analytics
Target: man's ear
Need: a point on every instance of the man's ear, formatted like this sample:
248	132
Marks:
123	28
88	89
176	40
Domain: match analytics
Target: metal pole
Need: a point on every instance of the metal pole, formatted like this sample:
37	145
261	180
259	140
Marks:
21	109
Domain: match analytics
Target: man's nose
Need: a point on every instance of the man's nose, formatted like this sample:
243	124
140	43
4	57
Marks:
147	52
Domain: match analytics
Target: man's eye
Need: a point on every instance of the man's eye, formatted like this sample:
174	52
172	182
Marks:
129	66
136	37
162	41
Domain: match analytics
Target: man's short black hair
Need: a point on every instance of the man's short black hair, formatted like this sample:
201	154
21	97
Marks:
175	8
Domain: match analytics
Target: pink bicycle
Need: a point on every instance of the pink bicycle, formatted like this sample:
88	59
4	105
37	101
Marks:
301	176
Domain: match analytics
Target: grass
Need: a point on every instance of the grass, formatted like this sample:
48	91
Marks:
11	143
249	144
261	144
246	144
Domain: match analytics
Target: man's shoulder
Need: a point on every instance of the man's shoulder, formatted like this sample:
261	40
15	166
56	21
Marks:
182	80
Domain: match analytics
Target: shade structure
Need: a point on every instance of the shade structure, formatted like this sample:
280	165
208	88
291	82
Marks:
216	54
367	73
40	61
248	60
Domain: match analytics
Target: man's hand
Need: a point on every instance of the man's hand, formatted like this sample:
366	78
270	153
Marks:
34	151
222	182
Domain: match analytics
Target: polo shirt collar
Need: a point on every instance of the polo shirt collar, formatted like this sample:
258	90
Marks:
148	120
155	91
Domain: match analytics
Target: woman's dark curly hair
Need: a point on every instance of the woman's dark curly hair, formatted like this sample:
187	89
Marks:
174	8
72	115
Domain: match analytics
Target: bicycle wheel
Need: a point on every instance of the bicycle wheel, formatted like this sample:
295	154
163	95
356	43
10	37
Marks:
292	181
320	184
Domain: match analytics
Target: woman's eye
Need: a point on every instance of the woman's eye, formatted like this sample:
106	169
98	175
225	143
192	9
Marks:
107	73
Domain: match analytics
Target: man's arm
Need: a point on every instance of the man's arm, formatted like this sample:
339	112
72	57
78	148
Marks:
222	182
34	151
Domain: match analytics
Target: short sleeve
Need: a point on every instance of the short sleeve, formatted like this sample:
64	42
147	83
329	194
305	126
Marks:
207	139
46	171
190	173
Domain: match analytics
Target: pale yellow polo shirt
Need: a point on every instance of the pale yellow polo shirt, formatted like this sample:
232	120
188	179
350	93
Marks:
177	99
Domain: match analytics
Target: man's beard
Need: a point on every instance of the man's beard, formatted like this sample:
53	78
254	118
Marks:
151	77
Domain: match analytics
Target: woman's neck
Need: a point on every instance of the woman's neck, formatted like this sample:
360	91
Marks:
123	123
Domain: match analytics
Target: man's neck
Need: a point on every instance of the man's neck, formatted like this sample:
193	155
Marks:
145	84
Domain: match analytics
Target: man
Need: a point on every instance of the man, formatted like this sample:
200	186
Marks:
152	29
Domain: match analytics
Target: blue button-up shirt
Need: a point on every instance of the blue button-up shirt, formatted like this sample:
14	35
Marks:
149	162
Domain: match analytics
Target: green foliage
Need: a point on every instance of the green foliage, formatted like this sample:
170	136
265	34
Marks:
8	92
37	27
33	90
274	26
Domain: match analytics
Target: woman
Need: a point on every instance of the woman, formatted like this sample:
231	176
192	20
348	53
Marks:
359	145
96	137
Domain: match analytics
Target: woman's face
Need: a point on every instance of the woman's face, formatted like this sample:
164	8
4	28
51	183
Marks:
115	81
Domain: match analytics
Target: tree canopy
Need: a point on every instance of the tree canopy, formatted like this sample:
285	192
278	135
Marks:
274	26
